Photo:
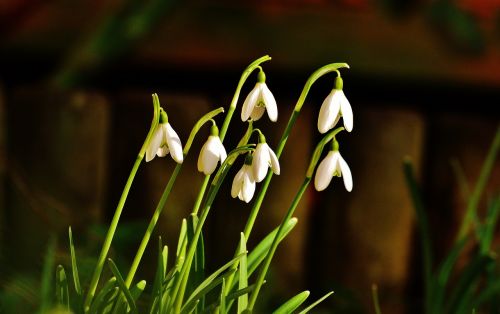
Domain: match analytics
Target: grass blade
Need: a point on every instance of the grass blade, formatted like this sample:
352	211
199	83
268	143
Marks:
122	286
104	296
243	276
62	294
197	292
488	229
138	289
486	171
423	225
156	304
376	303
258	254
469	277
310	307
47	276
74	267
188	305
292	304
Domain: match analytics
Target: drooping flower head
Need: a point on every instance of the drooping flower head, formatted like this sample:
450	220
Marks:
333	165
263	158
244	184
335	106
164	140
260	99
211	153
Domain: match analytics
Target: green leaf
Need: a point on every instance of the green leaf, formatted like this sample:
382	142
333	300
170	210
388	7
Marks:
243	276
197	273
156	305
469	277
488	229
122	286
486	171
491	292
62	294
105	296
423	225
222	297
138	289
439	282
310	307
376	303
200	290
47	276
182	242
258	254
74	267
292	304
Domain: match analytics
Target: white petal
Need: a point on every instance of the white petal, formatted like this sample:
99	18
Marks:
248	188
209	156
174	143
346	110
221	150
237	182
324	173
346	174
270	102
257	113
260	162
275	165
328	114
154	143
249	103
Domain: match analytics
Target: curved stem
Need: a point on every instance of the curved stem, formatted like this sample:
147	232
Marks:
332	67
289	213
225	125
119	208
166	192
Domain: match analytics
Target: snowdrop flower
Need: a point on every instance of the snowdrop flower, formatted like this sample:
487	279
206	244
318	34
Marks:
259	100
332	165
244	184
164	141
211	153
334	106
263	158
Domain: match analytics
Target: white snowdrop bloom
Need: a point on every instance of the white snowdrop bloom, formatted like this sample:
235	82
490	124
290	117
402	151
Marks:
243	184
334	106
263	158
164	141
332	165
260	99
211	153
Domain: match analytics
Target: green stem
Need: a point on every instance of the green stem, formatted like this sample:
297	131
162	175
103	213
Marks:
180	286
225	125
166	192
119	208
274	245
110	234
310	170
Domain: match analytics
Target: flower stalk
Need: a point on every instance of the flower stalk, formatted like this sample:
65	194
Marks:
166	192
227	120
119	208
289	214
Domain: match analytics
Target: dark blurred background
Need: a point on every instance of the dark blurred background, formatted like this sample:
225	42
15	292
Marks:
76	79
